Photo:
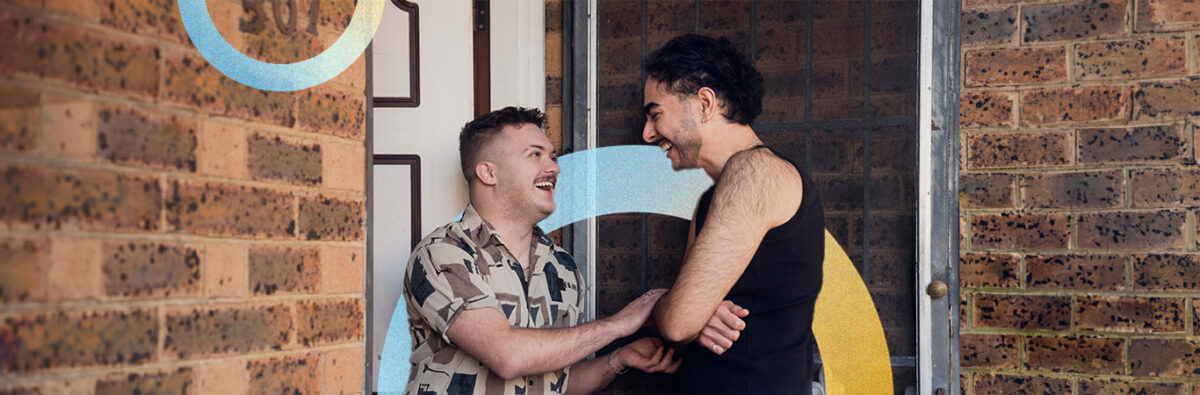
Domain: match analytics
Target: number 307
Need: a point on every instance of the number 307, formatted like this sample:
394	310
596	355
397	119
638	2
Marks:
257	11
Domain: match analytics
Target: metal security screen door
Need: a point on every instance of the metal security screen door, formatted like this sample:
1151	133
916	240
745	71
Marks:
863	94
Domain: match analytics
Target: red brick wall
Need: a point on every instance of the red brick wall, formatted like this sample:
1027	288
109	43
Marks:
164	228
1080	268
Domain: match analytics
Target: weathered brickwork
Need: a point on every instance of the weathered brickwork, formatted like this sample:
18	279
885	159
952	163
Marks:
150	226
1079	197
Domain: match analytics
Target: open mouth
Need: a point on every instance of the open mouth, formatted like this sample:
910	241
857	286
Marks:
665	145
546	185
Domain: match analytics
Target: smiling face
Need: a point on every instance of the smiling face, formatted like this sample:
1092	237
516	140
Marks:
526	171
672	123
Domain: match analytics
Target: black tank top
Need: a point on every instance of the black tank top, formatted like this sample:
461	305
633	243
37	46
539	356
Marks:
779	287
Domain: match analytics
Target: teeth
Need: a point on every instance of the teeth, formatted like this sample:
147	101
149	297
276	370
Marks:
665	145
544	184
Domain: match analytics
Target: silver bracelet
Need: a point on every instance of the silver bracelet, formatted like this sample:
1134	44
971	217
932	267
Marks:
614	367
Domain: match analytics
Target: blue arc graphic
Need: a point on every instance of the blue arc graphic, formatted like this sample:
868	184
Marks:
281	77
595	182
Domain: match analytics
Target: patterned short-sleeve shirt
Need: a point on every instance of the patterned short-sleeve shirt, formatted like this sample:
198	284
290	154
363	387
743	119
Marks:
465	265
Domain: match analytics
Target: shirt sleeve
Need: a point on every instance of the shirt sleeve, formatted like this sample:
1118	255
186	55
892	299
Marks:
441	285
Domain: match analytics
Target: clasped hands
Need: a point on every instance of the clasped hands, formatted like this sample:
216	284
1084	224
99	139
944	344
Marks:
650	355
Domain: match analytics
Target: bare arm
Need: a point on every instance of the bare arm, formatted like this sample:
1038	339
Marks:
756	191
646	354
512	352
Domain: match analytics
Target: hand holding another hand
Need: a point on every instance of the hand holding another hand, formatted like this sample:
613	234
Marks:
648	355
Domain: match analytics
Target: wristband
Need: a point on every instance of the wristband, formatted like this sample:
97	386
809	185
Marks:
614	367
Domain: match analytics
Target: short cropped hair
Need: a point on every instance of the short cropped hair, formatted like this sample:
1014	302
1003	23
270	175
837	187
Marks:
477	134
690	62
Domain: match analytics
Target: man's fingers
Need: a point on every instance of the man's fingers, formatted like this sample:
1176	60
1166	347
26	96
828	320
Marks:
725	337
730	319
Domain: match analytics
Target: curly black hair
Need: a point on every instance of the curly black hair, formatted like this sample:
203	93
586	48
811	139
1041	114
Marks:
475	135
690	62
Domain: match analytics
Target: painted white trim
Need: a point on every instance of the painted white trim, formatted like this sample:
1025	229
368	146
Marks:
592	128
518	53
925	240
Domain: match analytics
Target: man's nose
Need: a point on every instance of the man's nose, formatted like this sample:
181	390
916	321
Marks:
648	132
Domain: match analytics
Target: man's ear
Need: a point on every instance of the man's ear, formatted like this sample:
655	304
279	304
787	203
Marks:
486	173
709	105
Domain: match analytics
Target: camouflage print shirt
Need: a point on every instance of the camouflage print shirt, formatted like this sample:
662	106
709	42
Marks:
464	265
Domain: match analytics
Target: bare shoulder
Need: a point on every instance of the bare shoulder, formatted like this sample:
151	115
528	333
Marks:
761	166
769	184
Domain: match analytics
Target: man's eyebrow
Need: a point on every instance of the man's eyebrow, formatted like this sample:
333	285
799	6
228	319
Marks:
649	107
536	147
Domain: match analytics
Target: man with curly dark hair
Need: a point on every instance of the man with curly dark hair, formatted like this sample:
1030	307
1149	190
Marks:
756	238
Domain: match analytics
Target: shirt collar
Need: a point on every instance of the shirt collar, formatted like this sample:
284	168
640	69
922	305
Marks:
481	231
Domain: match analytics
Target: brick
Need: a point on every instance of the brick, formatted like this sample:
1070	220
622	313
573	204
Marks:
1196	316
221	151
1116	386
988	351
230	210
1079	272
1146	58
1022	312
985	190
988	270
69	128
1164	357
1129	314
990	384
140	269
1167	100
226	270
1166	16
343	373
20	120
180	381
225	376
1019	231
34	342
200	331
131	136
1022	66
985	109
1094	189
284	270
23	271
1164	187
273	46
1076	354
842	151
44	198
1053	106
283	160
1162	229
334	113
78	57
344	166
619	269
989	26
1166	272
324	218
190	81
1019	150
1139	144
328	322
285	375
75	269
86	11
891	231
342	269
1084	20
157	18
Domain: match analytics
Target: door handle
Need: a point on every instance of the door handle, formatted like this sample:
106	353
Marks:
937	289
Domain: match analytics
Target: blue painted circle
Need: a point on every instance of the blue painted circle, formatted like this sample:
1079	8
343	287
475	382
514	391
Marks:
281	77
591	183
